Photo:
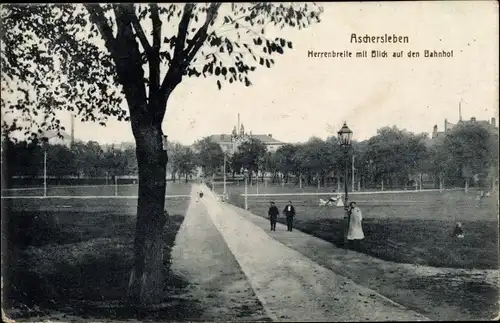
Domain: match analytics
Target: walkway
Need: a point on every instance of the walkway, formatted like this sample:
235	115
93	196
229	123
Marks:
201	255
293	287
438	293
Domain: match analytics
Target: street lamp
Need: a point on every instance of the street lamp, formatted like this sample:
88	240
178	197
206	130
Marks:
45	145
224	171
246	188
345	137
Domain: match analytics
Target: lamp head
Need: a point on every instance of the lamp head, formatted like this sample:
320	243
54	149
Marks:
345	136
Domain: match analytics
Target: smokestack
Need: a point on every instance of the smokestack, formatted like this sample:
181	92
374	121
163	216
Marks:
238	122
493	122
460	110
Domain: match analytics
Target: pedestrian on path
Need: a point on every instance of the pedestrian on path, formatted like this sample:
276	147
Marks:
355	233
273	215
289	212
479	196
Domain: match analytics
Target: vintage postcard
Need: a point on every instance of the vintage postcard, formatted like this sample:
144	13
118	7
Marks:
332	161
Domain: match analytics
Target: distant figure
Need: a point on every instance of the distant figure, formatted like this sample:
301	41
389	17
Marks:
273	215
340	202
458	232
355	233
289	212
479	196
201	194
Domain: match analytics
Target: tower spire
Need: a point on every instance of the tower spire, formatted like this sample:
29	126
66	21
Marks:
238	122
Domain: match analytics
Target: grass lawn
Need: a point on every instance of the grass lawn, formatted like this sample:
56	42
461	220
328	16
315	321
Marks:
78	260
423	242
407	228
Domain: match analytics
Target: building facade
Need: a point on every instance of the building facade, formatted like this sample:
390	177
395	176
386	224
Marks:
448	126
229	143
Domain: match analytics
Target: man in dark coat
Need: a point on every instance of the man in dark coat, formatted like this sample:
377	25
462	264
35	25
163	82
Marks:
273	215
289	212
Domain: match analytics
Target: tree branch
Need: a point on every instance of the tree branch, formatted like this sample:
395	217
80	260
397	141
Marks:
155	17
182	32
174	73
138	28
154	61
201	35
99	19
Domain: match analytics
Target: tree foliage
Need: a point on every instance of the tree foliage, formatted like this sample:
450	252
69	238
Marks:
393	155
84	57
250	155
471	150
209	156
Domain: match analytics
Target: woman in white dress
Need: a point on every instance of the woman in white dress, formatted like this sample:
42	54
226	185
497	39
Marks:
355	233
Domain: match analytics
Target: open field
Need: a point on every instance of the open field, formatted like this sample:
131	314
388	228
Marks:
74	256
123	190
269	187
411	227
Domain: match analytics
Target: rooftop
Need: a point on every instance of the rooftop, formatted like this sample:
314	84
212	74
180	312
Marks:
266	139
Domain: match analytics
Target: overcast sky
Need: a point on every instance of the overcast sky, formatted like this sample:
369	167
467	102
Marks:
302	97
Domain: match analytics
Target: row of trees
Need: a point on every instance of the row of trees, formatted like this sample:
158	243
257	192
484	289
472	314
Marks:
85	160
394	157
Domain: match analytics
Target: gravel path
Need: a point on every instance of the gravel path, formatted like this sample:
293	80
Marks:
201	255
291	286
438	293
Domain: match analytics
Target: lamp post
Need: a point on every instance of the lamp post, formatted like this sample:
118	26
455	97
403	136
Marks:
246	188
345	136
224	171
45	145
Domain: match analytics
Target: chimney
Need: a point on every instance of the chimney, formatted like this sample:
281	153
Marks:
473	119
493	122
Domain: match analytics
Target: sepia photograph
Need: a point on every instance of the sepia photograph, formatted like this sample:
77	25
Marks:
250	162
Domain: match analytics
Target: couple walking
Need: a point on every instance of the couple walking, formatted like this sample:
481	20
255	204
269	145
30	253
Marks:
289	212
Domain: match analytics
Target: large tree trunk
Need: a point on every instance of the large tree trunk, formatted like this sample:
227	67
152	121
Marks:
146	278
